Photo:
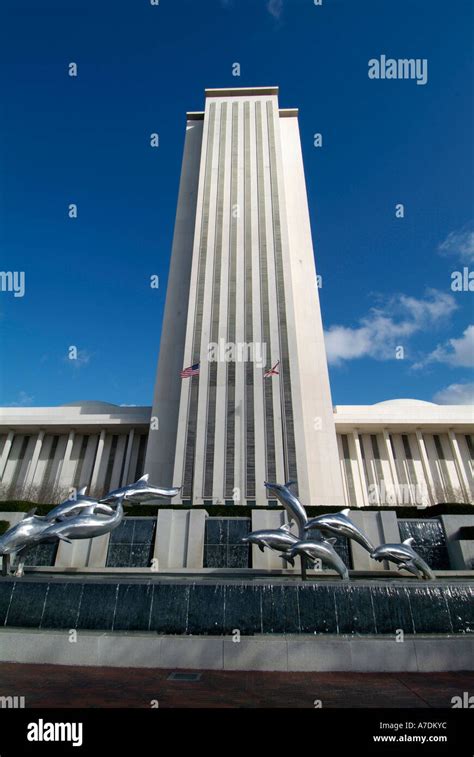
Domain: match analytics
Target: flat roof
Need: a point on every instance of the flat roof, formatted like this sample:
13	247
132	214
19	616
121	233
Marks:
241	91
284	113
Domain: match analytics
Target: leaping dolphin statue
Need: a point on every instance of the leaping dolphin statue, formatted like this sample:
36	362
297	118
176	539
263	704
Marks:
21	534
279	539
291	503
82	526
79	504
405	556
340	524
140	491
318	550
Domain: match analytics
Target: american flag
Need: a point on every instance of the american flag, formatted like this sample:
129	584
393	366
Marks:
272	372
193	370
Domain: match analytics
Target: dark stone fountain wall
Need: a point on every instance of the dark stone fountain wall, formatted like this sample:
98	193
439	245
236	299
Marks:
42	555
430	540
131	543
223	547
326	607
342	548
222	543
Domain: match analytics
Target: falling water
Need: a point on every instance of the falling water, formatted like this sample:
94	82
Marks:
327	606
131	543
222	543
341	545
430	540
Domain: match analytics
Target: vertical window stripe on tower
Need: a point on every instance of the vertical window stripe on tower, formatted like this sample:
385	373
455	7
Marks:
265	315
216	293
285	377
196	356
231	335
249	384
348	471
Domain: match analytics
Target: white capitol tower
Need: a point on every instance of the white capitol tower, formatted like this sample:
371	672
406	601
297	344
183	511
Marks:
242	273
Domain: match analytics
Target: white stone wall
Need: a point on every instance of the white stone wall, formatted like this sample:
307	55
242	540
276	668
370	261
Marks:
56	457
406	453
44	452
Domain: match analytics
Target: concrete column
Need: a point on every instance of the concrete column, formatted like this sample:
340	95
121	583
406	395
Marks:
195	538
360	467
25	466
179	541
34	458
132	463
390	457
117	466
359	489
426	465
128	456
347	497
74	555
380	528
459	466
83	553
64	478
6	452
89	460
460	551
98	460
104	462
97	554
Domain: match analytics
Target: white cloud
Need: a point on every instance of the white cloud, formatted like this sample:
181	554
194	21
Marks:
459	244
24	399
275	8
455	394
381	331
455	352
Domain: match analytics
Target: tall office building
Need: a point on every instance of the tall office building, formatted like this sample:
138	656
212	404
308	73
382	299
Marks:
242	297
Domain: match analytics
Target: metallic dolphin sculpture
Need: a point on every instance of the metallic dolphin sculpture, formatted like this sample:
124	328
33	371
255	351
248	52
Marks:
81	517
279	539
82	526
405	556
291	503
340	524
318	550
22	533
79	504
140	491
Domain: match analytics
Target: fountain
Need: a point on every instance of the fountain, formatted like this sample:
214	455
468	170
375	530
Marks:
212	604
217	607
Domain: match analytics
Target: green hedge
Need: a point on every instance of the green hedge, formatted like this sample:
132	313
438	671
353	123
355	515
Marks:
243	511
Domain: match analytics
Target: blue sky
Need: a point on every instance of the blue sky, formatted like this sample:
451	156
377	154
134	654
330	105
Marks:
85	140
